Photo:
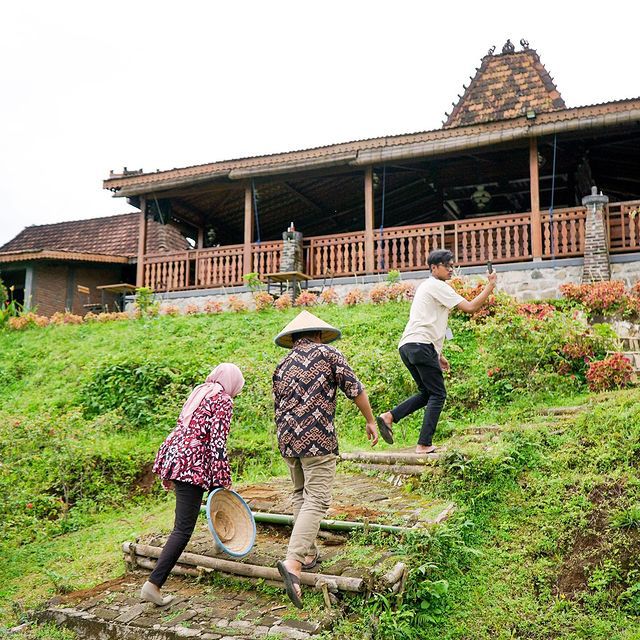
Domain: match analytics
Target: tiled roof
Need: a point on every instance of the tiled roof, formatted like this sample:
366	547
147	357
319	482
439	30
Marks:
506	86
111	235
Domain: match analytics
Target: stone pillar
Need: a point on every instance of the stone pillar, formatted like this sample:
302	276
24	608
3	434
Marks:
596	250
291	258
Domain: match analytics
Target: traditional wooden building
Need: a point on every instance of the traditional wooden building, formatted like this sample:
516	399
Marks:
80	265
503	180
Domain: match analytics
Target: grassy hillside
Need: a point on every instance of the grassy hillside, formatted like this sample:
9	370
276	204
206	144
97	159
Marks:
545	541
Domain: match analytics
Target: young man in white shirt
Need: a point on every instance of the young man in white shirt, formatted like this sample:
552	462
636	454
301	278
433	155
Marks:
421	346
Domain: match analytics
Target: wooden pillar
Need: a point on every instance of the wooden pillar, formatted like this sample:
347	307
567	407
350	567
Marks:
369	254
248	229
536	221
200	244
142	242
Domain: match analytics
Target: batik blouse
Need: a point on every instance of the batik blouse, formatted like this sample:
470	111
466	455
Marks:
197	452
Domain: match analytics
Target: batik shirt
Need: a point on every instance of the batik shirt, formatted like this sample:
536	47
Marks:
197	452
304	391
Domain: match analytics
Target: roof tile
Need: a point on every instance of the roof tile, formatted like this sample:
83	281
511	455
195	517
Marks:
111	235
505	86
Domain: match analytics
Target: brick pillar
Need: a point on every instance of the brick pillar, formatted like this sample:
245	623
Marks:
596	250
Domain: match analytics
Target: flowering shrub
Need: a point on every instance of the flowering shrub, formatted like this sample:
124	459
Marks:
399	291
306	299
212	306
470	289
539	311
18	323
635	290
355	296
263	300
236	304
191	309
170	310
65	318
283	302
329	296
614	372
379	294
603	298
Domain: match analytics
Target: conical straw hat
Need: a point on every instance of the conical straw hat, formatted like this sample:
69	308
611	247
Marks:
306	321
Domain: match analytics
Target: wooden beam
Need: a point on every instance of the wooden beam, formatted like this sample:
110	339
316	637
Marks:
248	228
200	242
368	221
308	201
536	220
142	242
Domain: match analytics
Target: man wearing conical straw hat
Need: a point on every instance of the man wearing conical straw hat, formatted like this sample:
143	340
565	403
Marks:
305	384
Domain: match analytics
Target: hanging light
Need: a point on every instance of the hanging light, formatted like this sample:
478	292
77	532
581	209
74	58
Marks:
480	197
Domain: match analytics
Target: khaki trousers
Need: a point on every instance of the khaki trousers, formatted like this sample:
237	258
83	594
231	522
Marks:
312	479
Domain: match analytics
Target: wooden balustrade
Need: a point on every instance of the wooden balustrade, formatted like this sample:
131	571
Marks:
504	238
266	256
407	248
219	266
339	255
624	226
167	271
563	233
494	239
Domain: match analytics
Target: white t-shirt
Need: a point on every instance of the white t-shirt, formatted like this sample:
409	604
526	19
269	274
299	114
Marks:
429	313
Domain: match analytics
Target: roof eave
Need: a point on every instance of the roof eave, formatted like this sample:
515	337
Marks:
44	254
382	149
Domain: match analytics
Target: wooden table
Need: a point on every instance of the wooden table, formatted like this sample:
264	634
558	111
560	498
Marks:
296	278
119	291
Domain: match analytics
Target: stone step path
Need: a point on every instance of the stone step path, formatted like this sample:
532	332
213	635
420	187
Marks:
113	611
246	606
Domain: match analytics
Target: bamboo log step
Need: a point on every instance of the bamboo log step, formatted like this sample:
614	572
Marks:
391	457
133	551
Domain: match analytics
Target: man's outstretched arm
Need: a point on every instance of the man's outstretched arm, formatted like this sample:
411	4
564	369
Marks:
479	301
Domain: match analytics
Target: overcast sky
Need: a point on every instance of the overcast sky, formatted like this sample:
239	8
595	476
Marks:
91	86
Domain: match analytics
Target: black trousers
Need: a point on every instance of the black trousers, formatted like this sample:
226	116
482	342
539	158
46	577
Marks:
423	363
188	502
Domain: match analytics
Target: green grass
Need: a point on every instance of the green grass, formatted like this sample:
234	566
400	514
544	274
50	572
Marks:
84	409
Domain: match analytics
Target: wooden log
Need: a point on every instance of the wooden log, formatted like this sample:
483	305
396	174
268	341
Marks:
390	458
247	570
445	513
402	469
336	525
395	574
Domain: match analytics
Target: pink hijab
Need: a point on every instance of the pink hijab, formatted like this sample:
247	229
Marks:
225	377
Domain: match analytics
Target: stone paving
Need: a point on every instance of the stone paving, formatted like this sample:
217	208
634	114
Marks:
248	608
203	611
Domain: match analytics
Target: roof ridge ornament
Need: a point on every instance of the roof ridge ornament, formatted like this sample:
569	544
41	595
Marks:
508	47
490	52
524	44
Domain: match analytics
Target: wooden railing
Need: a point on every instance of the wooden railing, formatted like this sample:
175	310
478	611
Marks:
266	256
496	239
624	226
219	266
505	238
167	271
563	233
340	254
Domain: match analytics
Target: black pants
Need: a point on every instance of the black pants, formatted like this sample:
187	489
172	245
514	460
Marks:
188	502
424	366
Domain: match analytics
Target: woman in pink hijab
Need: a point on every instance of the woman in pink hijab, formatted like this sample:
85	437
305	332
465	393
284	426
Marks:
192	460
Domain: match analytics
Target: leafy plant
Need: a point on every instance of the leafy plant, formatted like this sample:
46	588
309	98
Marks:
145	303
252	280
614	372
